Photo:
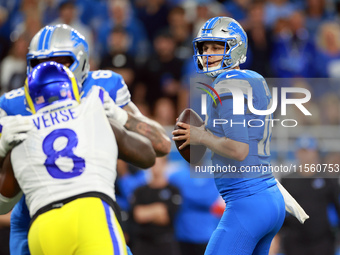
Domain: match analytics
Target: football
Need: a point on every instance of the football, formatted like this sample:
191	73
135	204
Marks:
191	153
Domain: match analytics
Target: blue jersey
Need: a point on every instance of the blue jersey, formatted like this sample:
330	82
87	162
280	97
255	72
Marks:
228	118
13	103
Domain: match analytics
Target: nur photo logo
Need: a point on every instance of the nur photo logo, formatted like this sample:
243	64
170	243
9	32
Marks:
242	93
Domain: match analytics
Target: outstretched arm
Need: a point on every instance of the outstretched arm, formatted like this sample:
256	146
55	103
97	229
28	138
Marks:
135	121
133	148
146	127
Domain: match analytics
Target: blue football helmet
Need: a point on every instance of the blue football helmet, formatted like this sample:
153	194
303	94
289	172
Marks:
50	83
56	41
227	31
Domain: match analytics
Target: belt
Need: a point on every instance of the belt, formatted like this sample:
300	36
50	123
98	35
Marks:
62	202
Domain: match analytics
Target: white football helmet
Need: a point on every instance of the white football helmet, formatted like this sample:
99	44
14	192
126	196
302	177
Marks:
60	40
228	31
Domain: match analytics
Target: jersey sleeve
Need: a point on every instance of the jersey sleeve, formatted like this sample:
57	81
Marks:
123	96
237	88
95	94
119	91
3	111
233	94
237	128
112	82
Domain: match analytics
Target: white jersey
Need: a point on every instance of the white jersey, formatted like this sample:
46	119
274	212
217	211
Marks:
69	152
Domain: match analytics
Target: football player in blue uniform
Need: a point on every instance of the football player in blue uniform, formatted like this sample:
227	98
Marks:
255	208
63	44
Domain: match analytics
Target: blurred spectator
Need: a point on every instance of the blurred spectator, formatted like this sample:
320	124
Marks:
154	207
328	50
93	13
143	107
68	15
153	14
8	11
180	29
316	13
118	59
50	12
165	112
27	8
13	67
3	15
238	9
330	108
32	24
161	76
314	193
129	178
195	221
293	51
206	9
4	233
277	9
259	38
28	20
121	15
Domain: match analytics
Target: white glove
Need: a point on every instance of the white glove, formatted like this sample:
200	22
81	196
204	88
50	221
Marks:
14	131
113	111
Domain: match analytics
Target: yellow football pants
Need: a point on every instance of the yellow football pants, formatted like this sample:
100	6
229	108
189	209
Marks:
84	226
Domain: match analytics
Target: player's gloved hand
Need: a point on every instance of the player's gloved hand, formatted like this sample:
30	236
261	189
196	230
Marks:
14	131
114	111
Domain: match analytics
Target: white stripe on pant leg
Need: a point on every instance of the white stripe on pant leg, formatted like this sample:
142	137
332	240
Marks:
121	243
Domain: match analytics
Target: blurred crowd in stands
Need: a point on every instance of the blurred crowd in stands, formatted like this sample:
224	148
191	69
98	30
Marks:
149	42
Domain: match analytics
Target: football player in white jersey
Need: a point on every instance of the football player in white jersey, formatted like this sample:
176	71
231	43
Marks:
66	165
63	44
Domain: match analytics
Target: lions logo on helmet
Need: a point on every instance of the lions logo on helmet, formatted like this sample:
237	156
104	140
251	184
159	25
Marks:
228	31
50	83
58	41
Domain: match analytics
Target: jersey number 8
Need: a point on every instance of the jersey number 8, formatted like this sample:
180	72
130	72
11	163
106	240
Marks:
53	155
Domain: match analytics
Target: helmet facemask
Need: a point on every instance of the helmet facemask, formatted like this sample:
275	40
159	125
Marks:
230	44
60	41
223	30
